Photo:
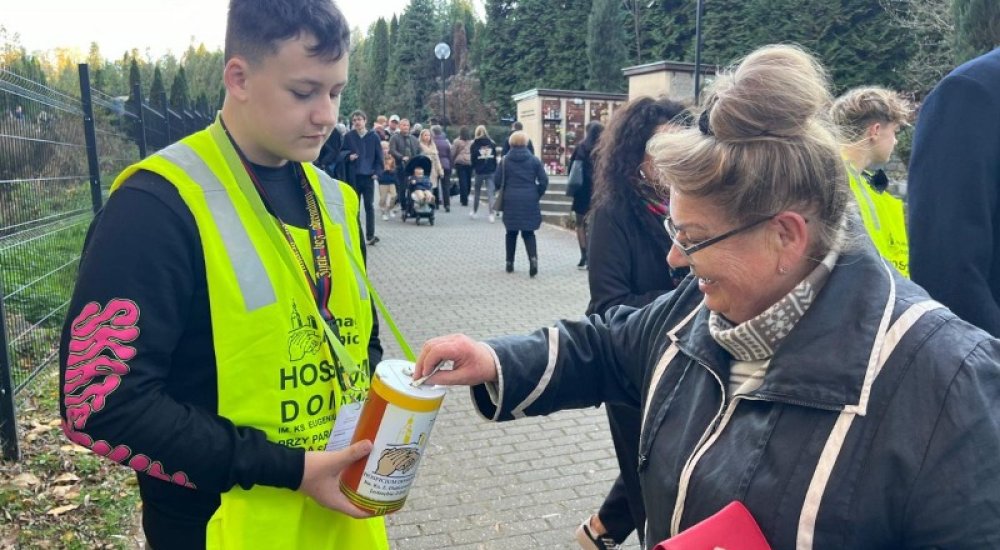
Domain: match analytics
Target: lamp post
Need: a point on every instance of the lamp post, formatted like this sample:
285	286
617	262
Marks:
442	52
697	53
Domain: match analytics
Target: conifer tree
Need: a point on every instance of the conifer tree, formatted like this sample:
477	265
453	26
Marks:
179	99
606	48
413	67
566	63
977	27
377	68
496	54
156	91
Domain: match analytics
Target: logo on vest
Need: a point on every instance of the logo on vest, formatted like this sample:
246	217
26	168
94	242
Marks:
304	338
307	413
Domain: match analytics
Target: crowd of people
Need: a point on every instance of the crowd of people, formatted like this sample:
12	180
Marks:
772	375
381	156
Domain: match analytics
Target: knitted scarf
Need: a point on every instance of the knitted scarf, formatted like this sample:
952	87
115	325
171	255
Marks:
757	338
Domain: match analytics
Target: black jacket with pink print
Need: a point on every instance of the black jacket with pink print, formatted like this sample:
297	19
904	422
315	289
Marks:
876	426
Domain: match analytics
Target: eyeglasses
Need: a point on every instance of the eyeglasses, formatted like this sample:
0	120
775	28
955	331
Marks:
690	249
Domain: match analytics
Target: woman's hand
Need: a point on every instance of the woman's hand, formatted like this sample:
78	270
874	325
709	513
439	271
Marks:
473	361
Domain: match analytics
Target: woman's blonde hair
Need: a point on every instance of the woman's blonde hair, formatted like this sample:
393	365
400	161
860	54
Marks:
518	139
764	143
859	108
481	132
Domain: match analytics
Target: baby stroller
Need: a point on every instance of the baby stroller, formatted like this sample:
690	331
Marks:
410	209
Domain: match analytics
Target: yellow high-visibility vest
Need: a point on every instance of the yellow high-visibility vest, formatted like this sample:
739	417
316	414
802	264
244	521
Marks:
885	221
276	372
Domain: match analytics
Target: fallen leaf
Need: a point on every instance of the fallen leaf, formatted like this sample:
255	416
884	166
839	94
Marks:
67	477
56	422
60	510
25	480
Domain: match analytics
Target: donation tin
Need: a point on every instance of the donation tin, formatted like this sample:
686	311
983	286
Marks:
397	418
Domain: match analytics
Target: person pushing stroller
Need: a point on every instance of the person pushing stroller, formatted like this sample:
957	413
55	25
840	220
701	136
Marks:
419	194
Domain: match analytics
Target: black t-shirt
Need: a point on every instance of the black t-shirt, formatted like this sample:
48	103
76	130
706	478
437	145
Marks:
144	249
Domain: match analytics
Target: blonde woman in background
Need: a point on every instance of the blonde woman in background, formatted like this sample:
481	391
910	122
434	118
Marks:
430	150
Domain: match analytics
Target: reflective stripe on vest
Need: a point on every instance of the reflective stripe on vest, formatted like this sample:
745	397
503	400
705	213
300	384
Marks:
254	282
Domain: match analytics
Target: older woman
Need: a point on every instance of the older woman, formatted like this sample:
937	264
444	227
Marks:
794	371
523	180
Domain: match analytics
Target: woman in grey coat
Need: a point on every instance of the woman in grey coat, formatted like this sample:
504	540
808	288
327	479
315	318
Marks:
523	180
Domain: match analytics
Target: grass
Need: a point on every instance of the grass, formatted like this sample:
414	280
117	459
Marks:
60	495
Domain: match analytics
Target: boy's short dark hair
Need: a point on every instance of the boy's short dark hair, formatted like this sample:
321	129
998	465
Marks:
255	27
359	113
517	126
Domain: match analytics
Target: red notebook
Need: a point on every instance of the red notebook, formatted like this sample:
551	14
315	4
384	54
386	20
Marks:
732	528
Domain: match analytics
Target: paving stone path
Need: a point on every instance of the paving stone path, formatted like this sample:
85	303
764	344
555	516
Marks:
484	485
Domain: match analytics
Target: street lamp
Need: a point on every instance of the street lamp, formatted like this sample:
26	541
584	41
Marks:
697	53
442	52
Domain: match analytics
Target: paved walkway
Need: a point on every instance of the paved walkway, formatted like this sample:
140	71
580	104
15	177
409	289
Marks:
483	485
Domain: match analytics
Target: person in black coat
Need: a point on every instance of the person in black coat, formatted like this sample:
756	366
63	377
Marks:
522	178
954	193
581	199
628	266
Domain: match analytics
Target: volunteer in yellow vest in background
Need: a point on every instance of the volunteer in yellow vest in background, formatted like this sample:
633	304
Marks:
869	118
221	333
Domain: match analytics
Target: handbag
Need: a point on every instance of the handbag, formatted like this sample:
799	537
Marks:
498	200
575	178
731	527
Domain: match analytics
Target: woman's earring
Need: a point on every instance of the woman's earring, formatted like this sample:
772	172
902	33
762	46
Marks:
782	269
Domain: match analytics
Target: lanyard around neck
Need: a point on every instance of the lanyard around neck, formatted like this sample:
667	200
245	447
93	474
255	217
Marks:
321	285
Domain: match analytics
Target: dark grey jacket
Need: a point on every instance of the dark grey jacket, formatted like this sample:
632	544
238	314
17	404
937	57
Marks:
524	181
834	450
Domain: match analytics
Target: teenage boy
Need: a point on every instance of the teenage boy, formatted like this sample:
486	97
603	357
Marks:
220	327
366	157
870	117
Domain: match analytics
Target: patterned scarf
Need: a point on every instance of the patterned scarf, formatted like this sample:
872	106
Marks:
756	339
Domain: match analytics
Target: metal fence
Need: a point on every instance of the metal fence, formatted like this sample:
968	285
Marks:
58	156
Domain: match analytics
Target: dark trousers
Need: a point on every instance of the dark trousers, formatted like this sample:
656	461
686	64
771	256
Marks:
529	244
464	182
623	510
444	189
402	197
365	188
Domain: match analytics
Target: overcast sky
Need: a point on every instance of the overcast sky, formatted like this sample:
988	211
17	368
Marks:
161	25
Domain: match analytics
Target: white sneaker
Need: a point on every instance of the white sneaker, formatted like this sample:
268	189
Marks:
472	215
492	218
392	214
385	217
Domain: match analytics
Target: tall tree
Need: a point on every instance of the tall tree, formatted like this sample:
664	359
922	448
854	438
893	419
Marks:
460	47
377	68
156	90
496	54
606	48
977	27
179	97
413	67
567	45
930	25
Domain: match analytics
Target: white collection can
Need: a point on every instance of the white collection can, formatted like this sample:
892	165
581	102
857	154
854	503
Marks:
397	418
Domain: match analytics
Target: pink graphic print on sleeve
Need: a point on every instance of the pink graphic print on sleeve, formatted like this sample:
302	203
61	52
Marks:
96	361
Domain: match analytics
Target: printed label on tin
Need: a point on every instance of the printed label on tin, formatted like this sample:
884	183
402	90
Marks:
396	453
